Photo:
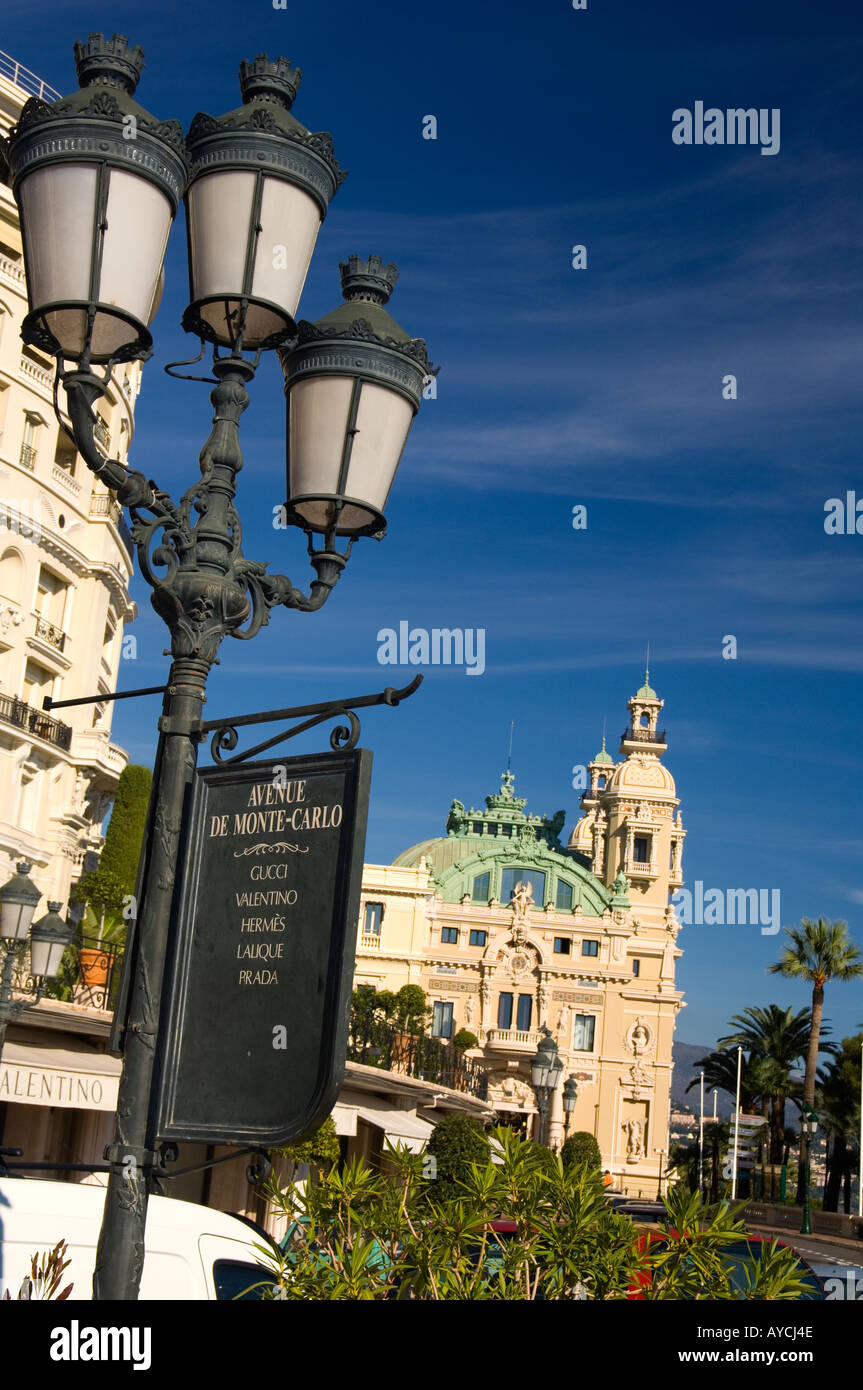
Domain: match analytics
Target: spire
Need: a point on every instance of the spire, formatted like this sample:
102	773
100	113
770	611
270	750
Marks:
646	693
603	756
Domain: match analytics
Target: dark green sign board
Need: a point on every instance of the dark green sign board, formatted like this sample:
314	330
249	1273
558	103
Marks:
261	978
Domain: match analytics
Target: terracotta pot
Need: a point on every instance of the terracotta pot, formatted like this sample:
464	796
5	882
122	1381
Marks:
94	967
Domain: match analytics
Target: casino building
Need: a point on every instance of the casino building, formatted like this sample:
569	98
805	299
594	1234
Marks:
508	930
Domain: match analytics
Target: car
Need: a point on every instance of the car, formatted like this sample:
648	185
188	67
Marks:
737	1256
191	1251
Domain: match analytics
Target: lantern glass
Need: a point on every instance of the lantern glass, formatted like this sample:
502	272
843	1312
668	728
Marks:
221	213
539	1070
319	417
59	216
45	956
15	919
139	222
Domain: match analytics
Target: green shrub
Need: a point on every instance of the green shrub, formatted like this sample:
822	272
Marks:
464	1039
581	1147
457	1142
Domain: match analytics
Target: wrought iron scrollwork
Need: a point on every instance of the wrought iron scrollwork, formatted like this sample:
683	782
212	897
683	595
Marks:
342	738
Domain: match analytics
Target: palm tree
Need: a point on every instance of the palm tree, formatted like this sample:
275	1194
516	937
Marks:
775	1039
839	1111
818	952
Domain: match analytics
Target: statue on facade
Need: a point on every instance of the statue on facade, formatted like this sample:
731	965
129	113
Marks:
521	900
469	1009
634	1138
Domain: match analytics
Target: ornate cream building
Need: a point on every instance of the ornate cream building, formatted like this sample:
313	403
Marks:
65	565
508	931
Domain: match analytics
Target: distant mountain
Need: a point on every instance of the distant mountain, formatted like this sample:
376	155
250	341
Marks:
684	1057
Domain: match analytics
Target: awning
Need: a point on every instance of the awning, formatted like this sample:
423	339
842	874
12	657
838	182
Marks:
398	1126
74	1078
345	1119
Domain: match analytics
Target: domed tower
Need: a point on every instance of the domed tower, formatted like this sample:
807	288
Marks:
644	837
588	835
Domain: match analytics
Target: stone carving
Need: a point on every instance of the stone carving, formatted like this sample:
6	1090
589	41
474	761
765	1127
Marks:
634	1138
469	1009
639	1038
522	899
563	1022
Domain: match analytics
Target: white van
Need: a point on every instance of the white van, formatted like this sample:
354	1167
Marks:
191	1252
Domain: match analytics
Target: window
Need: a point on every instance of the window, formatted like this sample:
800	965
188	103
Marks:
636	967
480	888
373	915
641	849
562	946
525	1010
504	1012
478	938
583	1033
563	900
510	877
442	1019
65	454
477	827
449	936
590	948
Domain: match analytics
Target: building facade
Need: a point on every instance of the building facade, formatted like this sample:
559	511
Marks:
509	931
65	566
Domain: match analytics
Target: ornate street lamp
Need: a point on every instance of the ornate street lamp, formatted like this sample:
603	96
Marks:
808	1130
545	1071
354	383
260	188
570	1096
48	938
98	182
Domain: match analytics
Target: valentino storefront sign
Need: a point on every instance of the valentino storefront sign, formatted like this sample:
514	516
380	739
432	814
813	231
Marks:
41	1082
260	984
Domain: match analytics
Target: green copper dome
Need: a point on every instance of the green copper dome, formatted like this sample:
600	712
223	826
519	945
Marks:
603	756
646	692
485	853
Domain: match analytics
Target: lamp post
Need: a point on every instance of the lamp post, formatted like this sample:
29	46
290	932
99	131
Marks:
48	939
98	181
570	1096
545	1069
808	1130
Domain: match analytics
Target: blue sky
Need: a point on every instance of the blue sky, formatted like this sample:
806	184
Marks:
559	387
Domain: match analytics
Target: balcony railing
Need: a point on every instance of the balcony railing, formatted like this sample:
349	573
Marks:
512	1038
25	79
49	633
414	1054
106	506
90	974
35	721
643	736
370	941
27	457
12	270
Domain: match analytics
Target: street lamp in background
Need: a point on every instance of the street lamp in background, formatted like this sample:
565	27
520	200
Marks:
545	1070
48	940
98	181
570	1096
808	1130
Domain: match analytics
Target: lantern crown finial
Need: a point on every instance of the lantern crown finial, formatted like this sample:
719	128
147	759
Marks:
367	279
269	79
108	62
